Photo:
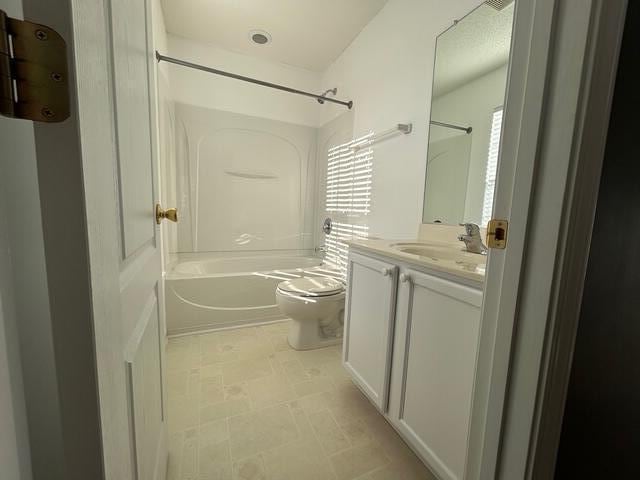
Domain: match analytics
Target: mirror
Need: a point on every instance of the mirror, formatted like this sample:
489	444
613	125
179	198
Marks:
469	85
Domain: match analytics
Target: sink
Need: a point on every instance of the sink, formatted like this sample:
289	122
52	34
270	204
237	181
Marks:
438	252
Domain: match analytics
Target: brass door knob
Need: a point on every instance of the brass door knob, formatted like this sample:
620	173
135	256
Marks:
169	214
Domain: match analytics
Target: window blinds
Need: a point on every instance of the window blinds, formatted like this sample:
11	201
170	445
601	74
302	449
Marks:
349	172
348	196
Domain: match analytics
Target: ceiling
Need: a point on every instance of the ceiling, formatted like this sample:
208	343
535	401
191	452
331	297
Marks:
305	33
478	44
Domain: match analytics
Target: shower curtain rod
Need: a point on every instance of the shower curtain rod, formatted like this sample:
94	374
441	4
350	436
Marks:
164	58
450	125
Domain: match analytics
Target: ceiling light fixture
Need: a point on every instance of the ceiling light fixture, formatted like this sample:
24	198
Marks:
259	37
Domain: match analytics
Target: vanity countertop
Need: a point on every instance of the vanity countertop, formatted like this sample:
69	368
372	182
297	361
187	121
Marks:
452	260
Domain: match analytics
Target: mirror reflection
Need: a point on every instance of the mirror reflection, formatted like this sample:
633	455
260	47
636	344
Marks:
470	76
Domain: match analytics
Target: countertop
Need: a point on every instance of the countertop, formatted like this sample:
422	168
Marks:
470	266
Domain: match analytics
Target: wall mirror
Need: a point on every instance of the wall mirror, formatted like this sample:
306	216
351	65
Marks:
469	84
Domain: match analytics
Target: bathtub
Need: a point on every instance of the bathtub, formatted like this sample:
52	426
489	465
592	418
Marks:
211	293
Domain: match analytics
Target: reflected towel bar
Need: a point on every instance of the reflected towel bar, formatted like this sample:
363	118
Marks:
323	98
450	125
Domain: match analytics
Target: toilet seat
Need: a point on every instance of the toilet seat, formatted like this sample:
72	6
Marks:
311	287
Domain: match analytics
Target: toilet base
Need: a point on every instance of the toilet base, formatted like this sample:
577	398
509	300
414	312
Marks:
306	335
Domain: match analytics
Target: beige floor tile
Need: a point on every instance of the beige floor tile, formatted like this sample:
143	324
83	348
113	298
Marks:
243	370
302	420
297	461
356	461
287	355
236	415
314	403
237	391
211	390
177	382
240	344
176	442
337	373
259	431
275	328
182	413
388	438
189	462
279	342
314	385
404	470
328	433
320	356
251	468
271	390
214	461
294	371
212	370
219	411
358	432
213	355
213	433
181	355
347	403
276	366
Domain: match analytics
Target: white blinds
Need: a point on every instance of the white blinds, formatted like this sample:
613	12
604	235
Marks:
349	171
348	196
492	166
337	249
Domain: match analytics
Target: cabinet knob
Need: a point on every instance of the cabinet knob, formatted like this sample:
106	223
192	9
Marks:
385	272
405	278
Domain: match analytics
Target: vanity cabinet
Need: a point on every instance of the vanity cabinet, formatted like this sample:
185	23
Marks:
369	319
429	366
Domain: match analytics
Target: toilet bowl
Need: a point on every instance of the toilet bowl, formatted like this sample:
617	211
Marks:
316	308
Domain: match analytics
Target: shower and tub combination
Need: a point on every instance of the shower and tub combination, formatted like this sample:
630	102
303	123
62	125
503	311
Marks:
248	190
205	292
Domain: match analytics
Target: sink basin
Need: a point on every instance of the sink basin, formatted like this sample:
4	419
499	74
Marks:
438	252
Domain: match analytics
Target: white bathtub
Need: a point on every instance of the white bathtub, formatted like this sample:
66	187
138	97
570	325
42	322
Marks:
212	293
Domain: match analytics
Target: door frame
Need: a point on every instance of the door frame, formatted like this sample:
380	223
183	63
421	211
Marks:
547	188
536	453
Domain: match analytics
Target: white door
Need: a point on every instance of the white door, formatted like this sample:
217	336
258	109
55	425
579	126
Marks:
368	326
107	148
140	260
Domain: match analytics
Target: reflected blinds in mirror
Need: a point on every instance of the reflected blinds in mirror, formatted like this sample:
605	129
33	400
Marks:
492	165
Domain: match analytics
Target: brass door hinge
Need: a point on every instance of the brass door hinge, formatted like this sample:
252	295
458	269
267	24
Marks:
33	71
497	233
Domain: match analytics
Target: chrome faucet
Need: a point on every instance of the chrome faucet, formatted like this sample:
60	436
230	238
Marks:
472	240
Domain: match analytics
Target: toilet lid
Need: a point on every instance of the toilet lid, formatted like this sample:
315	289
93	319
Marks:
311	286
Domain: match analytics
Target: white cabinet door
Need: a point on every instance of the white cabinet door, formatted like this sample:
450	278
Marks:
369	319
433	368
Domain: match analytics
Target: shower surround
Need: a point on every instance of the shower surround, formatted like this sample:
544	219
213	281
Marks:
246	189
243	183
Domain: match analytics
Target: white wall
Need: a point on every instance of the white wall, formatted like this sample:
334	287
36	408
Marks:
202	89
472	104
387	71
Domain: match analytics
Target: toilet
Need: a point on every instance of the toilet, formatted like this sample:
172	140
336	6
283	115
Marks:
316	306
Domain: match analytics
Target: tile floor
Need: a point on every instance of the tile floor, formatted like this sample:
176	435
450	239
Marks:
243	405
